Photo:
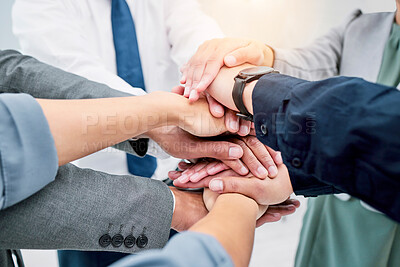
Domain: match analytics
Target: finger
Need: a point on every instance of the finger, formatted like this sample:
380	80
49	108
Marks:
231	121
261	156
216	109
237	166
244	128
188	173
283	210
268	218
276	155
248	54
220	166
184	165
184	73
250	159
189	81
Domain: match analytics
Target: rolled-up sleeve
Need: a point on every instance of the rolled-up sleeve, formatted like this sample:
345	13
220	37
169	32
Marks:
28	157
186	249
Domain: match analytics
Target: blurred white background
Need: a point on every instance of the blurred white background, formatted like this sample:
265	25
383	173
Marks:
283	23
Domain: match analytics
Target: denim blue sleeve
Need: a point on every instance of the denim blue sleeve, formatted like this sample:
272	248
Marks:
337	135
185	249
28	157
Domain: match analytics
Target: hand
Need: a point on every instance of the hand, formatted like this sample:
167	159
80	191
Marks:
189	209
181	144
204	66
262	161
265	192
209	198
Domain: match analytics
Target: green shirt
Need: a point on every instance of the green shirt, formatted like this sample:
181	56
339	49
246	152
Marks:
390	69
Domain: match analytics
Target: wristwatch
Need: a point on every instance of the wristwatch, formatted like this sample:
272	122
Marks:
244	77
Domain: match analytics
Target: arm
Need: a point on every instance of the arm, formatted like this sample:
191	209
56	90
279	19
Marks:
24	74
324	158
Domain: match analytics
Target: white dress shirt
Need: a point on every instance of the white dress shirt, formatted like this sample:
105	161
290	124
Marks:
76	35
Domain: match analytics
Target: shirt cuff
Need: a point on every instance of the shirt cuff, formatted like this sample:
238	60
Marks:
28	157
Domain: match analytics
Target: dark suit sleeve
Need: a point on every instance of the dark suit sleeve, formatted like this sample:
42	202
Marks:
24	74
336	135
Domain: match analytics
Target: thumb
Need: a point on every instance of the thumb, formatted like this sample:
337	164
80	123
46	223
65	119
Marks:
248	54
245	186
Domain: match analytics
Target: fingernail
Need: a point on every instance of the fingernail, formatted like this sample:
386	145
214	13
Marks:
230	60
262	172
235	152
276	215
219	109
244	129
193	94
194	176
273	170
234	125
183	179
290	208
244	170
216	185
278	158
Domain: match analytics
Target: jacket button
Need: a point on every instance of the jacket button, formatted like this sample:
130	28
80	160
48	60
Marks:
117	240
296	162
130	241
264	129
142	241
105	240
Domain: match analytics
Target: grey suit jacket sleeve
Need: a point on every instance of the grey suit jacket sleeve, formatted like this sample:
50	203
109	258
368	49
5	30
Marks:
319	60
24	74
75	210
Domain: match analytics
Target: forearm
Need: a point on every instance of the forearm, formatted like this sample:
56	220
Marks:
301	119
87	126
241	213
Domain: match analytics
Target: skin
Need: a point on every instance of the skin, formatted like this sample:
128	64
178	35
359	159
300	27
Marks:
91	129
398	12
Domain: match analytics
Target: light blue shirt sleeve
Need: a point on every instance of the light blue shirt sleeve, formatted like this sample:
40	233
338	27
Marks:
185	249
28	157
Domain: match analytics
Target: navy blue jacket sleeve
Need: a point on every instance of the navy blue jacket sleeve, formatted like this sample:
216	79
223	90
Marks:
337	135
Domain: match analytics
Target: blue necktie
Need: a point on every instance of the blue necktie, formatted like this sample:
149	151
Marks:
129	68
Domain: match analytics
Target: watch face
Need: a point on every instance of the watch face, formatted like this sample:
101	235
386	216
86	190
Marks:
255	71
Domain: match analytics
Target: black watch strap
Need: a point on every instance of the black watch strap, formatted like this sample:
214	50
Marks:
237	95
